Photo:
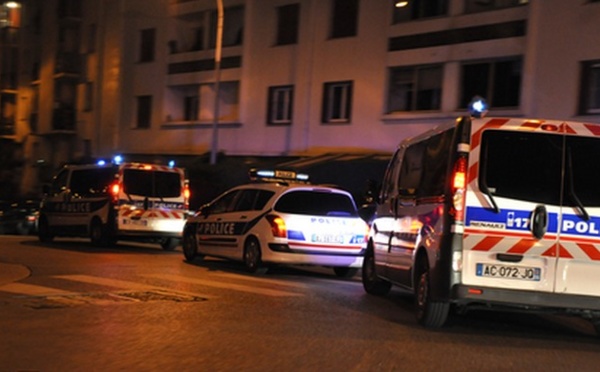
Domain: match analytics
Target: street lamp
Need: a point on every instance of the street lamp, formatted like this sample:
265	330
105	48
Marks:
215	128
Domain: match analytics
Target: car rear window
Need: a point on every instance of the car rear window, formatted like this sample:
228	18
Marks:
316	203
152	183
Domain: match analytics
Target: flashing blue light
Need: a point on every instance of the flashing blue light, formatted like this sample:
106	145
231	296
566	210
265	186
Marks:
171	163
101	162
266	173
478	107
302	177
118	159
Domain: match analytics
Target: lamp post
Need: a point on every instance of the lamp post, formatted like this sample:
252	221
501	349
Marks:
215	127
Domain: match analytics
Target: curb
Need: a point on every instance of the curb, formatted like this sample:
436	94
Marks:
12	272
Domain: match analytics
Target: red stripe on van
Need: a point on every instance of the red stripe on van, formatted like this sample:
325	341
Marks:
487	243
493	123
595	129
522	246
591	251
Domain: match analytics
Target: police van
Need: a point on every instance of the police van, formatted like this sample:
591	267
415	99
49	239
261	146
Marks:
108	202
492	213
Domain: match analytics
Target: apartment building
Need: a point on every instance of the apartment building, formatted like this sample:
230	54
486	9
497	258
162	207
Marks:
99	77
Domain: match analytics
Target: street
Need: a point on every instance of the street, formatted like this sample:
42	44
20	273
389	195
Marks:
136	307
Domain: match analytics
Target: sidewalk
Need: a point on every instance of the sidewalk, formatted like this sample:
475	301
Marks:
12	272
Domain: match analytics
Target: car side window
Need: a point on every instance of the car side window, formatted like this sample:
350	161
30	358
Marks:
59	184
245	200
262	199
225	203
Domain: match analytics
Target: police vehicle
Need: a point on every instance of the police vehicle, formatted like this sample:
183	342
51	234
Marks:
494	213
279	219
108	202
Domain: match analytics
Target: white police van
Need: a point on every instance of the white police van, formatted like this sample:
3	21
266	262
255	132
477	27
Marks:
279	219
491	212
108	202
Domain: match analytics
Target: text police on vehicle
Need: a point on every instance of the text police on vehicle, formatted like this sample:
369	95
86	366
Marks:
279	219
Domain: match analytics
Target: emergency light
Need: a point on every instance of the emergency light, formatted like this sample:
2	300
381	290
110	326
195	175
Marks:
478	107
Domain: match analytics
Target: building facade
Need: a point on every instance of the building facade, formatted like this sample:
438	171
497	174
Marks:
296	77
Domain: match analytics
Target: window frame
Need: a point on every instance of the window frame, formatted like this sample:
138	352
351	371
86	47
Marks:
147	45
288	24
337	110
415	10
344	18
143	112
491	83
588	91
274	105
413	91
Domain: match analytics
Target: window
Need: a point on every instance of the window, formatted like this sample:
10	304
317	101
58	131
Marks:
191	107
416	9
147	45
92	33
152	183
589	99
316	204
499	82
249	200
287	24
224	204
280	104
337	102
233	26
474	6
91	182
88	96
344	20
416	88
144	112
228	101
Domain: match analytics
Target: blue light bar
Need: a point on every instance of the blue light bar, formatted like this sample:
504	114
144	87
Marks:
117	159
171	163
101	162
478	107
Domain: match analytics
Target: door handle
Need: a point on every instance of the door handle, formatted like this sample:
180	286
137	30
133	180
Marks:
539	222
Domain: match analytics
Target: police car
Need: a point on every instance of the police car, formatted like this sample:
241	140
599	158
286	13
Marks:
281	220
111	201
491	212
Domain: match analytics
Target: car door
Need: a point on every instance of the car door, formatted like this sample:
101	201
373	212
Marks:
513	205
215	232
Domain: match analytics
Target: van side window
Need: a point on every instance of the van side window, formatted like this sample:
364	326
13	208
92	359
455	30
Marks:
411	169
435	164
522	166
387	186
583	173
91	182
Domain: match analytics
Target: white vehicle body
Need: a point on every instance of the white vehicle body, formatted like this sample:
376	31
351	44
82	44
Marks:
279	223
111	202
491	212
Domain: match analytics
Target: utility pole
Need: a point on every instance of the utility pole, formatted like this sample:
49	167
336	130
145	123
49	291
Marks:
215	127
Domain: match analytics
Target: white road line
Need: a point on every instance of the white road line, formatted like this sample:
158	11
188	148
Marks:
262	280
235	287
33	290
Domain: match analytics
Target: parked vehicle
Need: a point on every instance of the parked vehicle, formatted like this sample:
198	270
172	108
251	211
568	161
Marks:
19	217
133	201
491	213
280	219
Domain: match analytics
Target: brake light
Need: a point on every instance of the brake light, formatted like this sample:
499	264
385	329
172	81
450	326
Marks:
277	226
459	184
115	188
186	196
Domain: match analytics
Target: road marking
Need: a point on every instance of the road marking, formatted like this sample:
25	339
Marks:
263	280
235	287
33	290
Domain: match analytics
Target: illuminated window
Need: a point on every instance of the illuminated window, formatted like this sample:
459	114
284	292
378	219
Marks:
404	11
280	104
337	102
589	98
498	81
415	88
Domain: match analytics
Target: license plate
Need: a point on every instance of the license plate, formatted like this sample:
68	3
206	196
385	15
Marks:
327	238
509	272
135	222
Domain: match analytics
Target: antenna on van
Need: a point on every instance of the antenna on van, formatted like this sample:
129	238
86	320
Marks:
478	107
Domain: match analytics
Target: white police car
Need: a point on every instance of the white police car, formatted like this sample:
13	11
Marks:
284	221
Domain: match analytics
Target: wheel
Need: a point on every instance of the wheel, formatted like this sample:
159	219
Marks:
190	249
99	234
169	244
431	314
371	282
345	272
252	257
44	234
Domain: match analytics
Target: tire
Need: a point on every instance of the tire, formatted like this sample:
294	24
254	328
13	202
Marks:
169	244
44	234
252	257
189	247
371	282
99	234
345	272
430	314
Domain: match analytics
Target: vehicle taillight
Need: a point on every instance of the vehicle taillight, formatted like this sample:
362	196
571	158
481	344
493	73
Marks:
115	188
277	226
459	185
186	196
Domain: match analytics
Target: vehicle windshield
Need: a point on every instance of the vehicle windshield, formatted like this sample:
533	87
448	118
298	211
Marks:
316	203
152	183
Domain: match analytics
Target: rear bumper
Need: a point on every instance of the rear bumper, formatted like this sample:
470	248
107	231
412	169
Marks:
473	295
281	253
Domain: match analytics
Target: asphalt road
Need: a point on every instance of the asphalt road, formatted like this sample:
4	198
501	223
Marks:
70	307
